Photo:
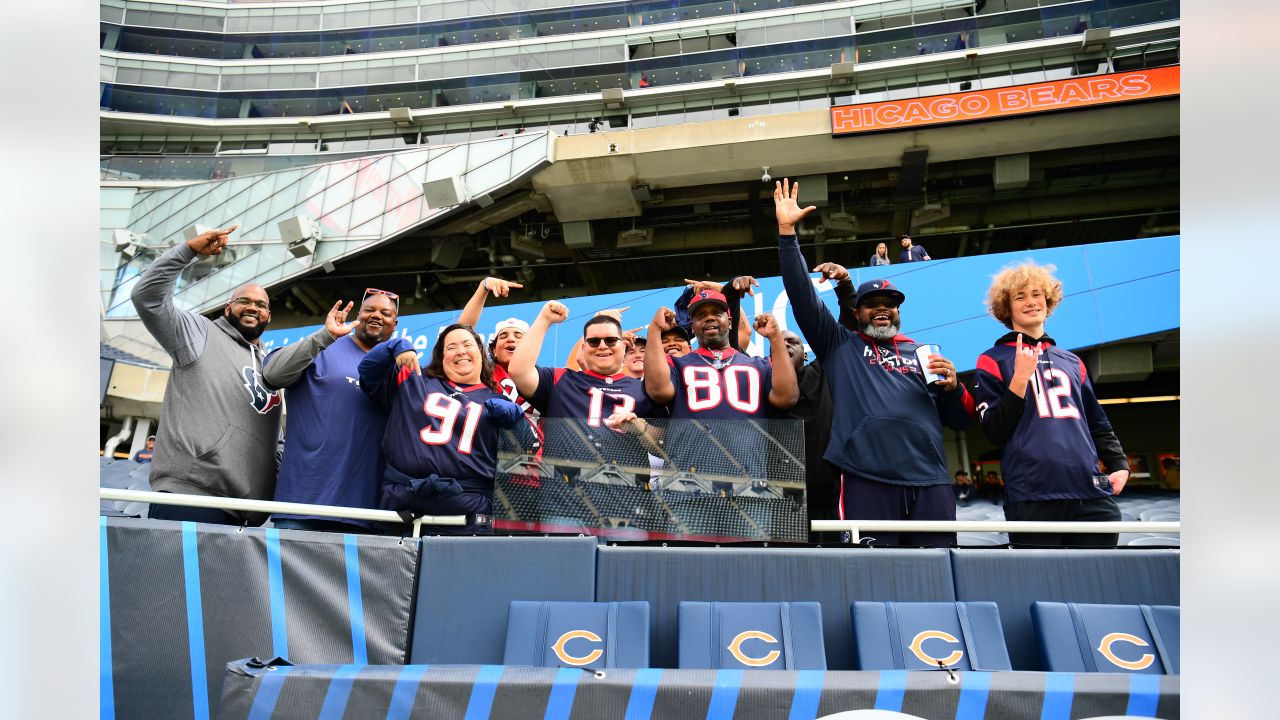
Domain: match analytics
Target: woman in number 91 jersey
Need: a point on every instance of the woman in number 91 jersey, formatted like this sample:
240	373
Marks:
441	439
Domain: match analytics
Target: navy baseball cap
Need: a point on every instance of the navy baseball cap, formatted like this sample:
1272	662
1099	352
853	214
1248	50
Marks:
878	287
708	296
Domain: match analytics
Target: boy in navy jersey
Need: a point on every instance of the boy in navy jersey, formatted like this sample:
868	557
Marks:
1036	401
886	431
717	384
441	440
592	395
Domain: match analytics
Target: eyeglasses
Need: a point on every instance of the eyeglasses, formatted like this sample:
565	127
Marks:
608	341
375	291
246	302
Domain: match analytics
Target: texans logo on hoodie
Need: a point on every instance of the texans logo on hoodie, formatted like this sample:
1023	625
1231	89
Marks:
259	398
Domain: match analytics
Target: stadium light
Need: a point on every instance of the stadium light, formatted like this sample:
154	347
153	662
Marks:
127	243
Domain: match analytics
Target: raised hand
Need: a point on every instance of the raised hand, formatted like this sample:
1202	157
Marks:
745	284
336	321
554	312
211	242
785	207
767	325
498	287
409	359
700	285
832	271
615	313
1025	360
664	319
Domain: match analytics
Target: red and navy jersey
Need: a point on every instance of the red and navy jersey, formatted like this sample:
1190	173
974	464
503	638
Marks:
590	398
507	386
434	427
707	435
1052	437
738	389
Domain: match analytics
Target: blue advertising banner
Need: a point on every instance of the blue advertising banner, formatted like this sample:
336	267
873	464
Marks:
1112	291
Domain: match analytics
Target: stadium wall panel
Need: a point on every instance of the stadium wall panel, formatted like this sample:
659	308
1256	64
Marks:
467	583
182	600
1014	579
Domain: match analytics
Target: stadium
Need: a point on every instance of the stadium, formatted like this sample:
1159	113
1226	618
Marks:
603	156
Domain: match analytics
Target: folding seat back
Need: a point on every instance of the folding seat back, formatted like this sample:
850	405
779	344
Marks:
1080	637
751	635
578	634
919	635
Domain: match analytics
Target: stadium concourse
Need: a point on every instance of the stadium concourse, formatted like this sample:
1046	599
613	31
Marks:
479	159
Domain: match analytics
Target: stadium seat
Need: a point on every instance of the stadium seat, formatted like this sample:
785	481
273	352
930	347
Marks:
1079	637
917	635
1155	541
751	635
975	539
578	634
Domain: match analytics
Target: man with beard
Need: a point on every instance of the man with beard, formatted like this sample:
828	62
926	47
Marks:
717	384
327	462
886	431
219	423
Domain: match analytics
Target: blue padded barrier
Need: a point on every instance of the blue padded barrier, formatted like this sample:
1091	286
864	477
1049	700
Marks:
834	577
465	585
1085	637
1015	579
578	634
751	635
916	636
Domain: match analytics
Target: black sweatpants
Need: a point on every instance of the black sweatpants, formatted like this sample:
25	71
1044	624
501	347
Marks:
870	500
1104	509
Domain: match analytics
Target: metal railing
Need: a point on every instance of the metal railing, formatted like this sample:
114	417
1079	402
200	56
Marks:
271	506
855	527
1020	526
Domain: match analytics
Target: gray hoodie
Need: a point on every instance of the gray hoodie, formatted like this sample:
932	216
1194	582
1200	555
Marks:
220	423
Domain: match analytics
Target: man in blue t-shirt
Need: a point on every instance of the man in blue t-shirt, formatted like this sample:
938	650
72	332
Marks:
331	451
911	253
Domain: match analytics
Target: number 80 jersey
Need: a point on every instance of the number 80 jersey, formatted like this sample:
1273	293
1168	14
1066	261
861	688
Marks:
739	388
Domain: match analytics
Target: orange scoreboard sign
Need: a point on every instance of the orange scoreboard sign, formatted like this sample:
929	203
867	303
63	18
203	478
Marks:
1006	101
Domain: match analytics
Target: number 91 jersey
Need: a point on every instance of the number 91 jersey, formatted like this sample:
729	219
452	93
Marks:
435	426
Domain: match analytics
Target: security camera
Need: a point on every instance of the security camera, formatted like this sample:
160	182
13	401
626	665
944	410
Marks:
766	177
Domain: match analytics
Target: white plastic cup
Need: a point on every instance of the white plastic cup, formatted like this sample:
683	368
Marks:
922	356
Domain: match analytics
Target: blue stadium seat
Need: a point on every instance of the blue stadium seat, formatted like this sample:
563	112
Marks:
578	634
751	635
1080	637
916	635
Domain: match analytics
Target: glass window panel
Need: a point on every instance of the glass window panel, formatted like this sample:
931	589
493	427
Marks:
403	214
339	193
371	228
338	221
369	205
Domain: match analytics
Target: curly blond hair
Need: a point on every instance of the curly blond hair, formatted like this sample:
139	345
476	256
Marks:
1014	278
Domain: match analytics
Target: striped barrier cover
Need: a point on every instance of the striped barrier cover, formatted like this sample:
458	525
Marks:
252	690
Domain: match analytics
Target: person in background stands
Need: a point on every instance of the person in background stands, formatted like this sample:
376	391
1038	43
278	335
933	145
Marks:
220	420
326	461
144	455
1036	401
441	439
911	253
881	256
963	487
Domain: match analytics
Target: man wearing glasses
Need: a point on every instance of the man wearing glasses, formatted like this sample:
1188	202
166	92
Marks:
327	462
220	421
599	391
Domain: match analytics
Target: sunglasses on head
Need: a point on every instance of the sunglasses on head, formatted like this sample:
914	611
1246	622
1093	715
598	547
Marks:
375	291
608	341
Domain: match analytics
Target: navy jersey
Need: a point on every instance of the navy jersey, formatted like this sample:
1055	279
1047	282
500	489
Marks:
434	427
719	399
590	398
1054	436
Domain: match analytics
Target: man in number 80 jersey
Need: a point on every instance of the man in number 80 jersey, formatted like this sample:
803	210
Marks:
718	384
441	441
1036	401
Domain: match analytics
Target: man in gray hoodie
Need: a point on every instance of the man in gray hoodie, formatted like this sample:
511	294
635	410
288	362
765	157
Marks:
220	423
